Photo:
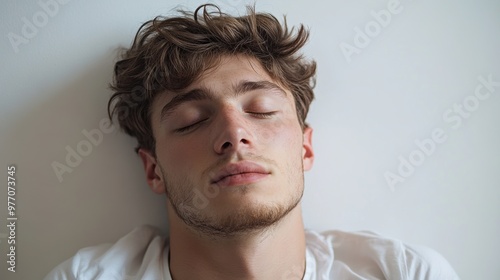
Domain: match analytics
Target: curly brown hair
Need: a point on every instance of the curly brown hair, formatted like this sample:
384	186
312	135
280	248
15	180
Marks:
168	54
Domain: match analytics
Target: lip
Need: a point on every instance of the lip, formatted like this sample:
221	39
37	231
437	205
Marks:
240	173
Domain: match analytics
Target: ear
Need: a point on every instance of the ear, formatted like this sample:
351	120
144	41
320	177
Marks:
308	152
154	177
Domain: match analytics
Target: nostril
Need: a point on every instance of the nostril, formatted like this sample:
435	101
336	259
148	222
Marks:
226	145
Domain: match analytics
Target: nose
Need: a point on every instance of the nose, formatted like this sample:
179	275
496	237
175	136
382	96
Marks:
232	132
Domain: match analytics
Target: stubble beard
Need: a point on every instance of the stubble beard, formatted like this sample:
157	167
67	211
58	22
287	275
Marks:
249	219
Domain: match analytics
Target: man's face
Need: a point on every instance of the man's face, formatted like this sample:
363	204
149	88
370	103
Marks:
230	152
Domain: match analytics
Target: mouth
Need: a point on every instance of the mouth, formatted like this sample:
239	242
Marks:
240	173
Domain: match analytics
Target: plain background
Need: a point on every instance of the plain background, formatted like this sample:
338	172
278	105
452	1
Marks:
368	112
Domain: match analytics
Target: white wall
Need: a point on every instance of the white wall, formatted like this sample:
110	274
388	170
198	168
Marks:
367	113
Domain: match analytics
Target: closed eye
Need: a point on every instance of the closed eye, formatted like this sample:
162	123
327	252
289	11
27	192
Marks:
265	115
189	127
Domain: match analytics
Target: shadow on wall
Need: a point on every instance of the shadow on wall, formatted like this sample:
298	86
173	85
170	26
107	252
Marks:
102	193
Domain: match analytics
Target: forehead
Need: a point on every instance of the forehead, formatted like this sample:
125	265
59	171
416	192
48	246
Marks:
233	67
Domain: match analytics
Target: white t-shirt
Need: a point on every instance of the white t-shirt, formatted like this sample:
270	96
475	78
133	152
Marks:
143	254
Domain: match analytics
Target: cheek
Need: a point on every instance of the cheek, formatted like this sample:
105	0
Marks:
283	136
181	156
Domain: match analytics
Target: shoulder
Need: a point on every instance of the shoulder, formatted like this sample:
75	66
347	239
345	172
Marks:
369	254
124	259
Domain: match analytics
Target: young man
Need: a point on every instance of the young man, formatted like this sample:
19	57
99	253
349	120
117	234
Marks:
218	106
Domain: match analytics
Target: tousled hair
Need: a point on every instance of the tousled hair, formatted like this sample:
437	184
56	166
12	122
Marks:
168	54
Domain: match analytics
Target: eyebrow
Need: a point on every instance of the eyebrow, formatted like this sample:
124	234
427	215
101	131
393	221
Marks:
246	86
207	94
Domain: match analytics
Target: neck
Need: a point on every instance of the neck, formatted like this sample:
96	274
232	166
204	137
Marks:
273	253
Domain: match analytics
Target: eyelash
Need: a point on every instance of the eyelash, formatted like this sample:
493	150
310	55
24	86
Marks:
189	127
259	115
264	115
